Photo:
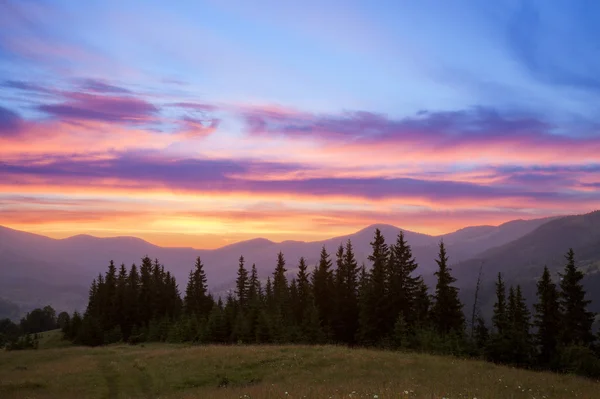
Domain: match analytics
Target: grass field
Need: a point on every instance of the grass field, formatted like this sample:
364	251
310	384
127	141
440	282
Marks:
176	371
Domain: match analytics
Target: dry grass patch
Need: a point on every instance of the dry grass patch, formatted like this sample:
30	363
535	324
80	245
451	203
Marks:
176	371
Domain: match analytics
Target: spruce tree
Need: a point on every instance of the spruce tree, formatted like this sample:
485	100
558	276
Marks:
323	290
519	336
197	301
346	294
447	312
403	286
146	287
121	304
374	305
576	319
241	285
253	285
547	319
280	285
133	297
305	299
500	317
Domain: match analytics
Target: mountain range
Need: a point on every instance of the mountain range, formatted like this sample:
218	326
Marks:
36	270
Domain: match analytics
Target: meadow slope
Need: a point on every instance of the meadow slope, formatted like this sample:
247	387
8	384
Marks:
176	371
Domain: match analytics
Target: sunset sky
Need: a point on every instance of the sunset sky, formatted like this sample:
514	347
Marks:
201	123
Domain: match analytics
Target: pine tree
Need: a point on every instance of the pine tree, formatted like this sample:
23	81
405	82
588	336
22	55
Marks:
422	305
121	304
241	285
519	336
447	312
146	287
374	305
577	320
280	285
133	297
346	295
197	301
253	285
547	319
323	289
305	299
500	317
403	286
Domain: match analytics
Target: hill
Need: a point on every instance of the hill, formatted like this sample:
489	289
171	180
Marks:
169	371
521	261
37	270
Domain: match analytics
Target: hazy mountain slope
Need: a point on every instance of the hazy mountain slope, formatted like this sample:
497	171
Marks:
59	271
522	261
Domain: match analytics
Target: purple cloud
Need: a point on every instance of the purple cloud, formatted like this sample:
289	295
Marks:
99	86
10	122
203	175
482	124
196	106
25	86
101	108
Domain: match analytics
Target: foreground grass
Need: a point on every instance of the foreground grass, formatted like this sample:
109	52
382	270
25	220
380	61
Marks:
175	371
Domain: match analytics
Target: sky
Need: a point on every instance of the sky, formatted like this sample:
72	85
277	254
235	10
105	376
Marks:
202	123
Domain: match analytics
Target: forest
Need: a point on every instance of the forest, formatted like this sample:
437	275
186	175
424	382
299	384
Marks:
386	306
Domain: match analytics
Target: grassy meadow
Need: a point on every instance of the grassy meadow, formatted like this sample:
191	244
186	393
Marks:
178	371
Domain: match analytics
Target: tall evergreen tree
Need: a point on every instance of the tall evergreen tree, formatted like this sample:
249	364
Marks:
323	290
576	319
146	298
280	284
447	312
500	317
547	319
374	305
346	294
242	285
519	336
403	285
253	285
133	296
121	304
197	301
305	299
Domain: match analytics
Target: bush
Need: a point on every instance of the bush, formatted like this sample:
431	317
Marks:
579	360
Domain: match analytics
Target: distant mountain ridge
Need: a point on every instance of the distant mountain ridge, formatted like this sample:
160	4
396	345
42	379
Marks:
59	270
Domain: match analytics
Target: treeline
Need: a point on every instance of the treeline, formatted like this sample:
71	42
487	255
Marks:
340	302
24	335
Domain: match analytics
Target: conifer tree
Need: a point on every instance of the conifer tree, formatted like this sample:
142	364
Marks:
323	290
280	284
133	296
305	299
422	304
447	312
197	301
241	285
146	287
547	319
576	319
374	305
346	293
253	285
519	336
121	302
402	285
500	317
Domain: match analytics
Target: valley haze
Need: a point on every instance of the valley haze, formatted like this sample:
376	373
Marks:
37	270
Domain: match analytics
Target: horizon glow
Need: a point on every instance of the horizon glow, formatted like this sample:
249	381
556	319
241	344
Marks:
209	122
